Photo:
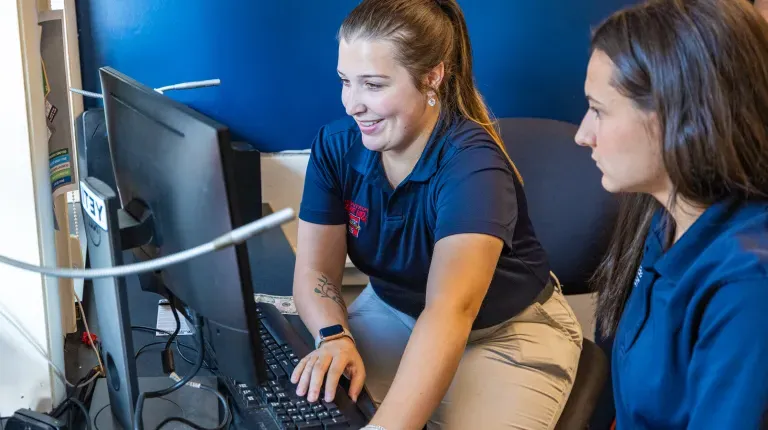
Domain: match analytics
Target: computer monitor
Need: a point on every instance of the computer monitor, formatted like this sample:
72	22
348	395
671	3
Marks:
180	168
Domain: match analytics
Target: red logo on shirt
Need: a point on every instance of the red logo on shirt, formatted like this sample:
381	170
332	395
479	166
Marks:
357	216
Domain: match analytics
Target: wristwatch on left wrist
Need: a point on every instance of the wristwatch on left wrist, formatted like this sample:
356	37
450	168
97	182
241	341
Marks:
332	332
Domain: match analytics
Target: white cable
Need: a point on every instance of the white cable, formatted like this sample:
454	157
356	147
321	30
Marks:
161	90
87	93
6	315
190	85
233	237
102	369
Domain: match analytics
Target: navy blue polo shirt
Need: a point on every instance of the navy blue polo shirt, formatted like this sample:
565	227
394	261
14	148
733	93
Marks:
462	183
691	350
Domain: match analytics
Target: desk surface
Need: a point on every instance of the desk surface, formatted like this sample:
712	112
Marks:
272	262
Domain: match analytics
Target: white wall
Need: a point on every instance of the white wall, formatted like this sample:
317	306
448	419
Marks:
26	218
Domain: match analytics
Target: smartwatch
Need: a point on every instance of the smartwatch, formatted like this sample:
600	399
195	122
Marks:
332	332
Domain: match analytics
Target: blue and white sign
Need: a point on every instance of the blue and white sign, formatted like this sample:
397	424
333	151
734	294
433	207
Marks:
93	205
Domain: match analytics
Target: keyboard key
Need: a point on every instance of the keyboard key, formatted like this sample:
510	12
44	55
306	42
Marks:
274	384
292	411
305	409
322	415
283	418
310	416
335	413
318	408
301	403
288	426
297	418
278	389
335	423
295	361
329	405
275	405
250	402
269	397
311	425
246	393
271	361
241	387
278	371
287	366
282	397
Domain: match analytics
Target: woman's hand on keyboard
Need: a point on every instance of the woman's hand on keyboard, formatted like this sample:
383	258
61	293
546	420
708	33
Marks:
335	358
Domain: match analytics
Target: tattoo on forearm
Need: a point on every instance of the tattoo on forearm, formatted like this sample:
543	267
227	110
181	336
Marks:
329	290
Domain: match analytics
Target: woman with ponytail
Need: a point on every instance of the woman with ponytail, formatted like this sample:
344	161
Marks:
462	326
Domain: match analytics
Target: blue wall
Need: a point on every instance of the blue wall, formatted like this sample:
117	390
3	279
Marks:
277	58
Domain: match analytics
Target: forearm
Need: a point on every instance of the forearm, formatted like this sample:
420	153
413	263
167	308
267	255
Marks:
426	370
318	300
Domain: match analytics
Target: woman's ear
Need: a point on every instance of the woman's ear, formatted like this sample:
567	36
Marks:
435	76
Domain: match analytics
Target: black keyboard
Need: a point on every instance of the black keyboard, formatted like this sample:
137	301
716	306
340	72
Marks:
274	404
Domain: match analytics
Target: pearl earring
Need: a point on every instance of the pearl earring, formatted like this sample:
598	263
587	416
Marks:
431	101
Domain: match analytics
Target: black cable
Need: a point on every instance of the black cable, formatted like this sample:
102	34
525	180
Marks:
96	417
138	424
206	364
172	304
77	398
83	409
150	329
224	422
138	353
61	408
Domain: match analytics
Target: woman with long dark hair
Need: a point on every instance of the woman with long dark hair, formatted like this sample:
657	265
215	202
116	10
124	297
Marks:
678	122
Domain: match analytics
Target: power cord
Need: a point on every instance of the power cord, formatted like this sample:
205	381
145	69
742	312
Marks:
82	408
206	364
224	422
167	354
138	423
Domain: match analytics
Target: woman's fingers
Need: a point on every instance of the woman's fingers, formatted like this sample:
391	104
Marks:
299	370
306	374
332	380
356	382
318	372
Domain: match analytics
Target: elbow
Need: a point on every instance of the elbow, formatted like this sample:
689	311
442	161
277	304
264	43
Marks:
462	315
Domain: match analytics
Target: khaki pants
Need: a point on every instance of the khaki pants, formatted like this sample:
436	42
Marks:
516	375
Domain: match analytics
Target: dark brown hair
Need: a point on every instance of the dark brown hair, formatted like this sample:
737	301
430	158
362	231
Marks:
425	33
702	67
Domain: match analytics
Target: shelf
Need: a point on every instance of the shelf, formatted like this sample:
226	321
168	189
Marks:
50	15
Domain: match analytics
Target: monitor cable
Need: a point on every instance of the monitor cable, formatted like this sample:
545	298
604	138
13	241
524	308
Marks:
161	90
181	382
234	237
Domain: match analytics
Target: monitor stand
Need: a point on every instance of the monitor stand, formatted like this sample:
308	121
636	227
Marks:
106	232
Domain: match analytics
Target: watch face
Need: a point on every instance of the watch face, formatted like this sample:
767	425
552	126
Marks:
331	331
